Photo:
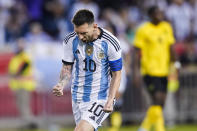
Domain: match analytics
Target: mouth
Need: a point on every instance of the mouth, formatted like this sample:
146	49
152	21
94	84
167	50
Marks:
84	41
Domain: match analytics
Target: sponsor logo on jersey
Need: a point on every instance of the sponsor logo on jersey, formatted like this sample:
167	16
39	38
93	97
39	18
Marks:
77	51
92	117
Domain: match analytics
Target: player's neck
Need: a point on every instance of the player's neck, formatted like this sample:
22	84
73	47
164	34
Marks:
97	33
155	22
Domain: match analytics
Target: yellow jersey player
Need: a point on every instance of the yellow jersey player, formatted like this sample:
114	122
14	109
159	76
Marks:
153	46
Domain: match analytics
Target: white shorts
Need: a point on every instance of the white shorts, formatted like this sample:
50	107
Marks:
90	111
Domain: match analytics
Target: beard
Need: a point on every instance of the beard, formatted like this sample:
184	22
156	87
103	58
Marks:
88	39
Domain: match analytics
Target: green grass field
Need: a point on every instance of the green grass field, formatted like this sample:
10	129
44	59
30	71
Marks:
132	128
128	128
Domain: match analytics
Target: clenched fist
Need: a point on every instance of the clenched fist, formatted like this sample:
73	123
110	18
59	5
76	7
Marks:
108	106
58	90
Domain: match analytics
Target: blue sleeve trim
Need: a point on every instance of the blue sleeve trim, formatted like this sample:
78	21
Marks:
116	65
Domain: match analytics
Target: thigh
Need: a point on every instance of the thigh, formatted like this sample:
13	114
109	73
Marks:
148	81
160	84
84	126
76	112
155	84
94	113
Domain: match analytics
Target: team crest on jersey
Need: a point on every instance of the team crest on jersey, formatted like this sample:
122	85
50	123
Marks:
101	54
89	49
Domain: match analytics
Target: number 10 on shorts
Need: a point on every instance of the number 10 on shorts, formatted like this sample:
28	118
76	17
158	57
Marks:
96	109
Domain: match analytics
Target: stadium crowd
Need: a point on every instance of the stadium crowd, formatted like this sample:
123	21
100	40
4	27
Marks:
49	20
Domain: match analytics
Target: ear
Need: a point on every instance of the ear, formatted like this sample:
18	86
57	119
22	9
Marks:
95	25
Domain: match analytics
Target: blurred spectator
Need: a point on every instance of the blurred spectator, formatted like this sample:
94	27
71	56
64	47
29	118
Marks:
53	10
162	4
134	15
34	9
189	54
118	19
36	34
17	23
2	24
86	4
180	15
7	3
21	81
193	5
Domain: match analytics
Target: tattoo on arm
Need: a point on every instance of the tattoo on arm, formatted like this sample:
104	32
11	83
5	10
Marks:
65	74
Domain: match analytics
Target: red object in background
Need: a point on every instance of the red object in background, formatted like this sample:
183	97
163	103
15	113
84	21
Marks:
41	102
4	61
179	48
7	103
47	103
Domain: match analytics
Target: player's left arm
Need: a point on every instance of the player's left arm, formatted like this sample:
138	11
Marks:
115	63
114	85
173	55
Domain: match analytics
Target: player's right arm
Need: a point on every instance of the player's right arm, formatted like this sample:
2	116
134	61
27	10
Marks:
65	76
138	43
68	61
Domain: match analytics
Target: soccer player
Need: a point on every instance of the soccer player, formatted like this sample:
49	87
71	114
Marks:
153	45
93	53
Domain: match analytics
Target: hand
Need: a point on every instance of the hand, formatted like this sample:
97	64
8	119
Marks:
58	90
108	106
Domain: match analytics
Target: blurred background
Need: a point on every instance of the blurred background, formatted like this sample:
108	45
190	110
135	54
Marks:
31	35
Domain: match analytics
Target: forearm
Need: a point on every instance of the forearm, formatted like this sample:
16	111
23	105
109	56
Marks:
65	75
136	61
114	85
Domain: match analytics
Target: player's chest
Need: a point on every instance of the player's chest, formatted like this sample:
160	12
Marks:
93	52
157	36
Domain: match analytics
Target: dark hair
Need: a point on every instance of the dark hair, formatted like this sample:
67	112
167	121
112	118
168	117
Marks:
152	10
83	16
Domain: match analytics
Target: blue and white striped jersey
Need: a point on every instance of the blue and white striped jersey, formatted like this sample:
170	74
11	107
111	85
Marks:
92	64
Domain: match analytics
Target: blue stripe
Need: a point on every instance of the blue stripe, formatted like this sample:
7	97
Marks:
110	42
88	80
76	79
104	74
116	65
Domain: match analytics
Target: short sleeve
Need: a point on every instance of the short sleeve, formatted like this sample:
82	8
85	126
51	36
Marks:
68	56
68	52
171	38
114	50
138	39
114	55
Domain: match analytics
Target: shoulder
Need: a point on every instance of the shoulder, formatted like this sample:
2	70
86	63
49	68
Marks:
69	37
142	28
166	24
143	25
111	39
25	56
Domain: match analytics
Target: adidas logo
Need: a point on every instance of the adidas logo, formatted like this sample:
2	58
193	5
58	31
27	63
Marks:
92	117
77	51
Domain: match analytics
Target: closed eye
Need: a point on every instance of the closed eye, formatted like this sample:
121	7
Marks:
82	33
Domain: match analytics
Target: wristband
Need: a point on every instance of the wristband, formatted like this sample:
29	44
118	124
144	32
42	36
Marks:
177	64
